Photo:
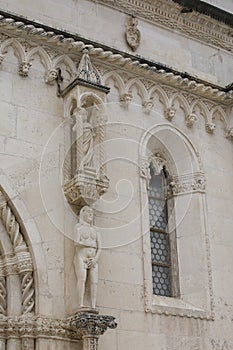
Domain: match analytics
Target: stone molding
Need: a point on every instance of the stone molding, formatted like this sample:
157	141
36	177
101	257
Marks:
188	183
52	58
169	15
147	88
19	261
73	327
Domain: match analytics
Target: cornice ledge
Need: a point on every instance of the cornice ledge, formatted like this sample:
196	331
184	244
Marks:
154	71
170	15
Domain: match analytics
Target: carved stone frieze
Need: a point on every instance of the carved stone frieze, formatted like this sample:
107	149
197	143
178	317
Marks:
168	14
132	34
84	188
74	327
188	183
148	72
146	76
88	323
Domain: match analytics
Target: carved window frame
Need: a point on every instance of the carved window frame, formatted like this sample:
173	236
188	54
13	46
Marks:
184	303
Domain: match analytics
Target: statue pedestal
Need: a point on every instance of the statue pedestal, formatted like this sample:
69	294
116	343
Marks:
85	188
89	325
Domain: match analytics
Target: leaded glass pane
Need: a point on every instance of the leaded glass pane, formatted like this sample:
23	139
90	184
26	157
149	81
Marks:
157	213
160	250
159	247
161	280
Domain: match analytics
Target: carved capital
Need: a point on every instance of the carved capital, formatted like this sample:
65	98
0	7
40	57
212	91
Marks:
188	183
157	162
92	324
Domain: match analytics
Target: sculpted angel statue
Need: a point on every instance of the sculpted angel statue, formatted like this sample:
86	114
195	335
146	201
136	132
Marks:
87	252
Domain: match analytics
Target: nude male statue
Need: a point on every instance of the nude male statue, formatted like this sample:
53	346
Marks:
87	252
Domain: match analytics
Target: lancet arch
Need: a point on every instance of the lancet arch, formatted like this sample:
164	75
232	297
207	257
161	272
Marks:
170	152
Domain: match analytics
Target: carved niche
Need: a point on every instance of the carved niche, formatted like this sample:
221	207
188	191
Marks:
84	171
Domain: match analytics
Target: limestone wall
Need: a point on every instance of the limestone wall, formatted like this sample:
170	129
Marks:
32	142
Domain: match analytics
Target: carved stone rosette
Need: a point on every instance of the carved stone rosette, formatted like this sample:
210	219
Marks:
90	326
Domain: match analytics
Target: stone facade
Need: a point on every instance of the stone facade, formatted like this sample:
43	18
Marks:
82	118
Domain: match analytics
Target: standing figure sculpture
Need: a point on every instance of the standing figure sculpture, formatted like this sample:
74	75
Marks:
87	252
84	137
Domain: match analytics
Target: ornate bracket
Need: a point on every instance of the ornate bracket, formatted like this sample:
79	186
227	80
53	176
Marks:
90	326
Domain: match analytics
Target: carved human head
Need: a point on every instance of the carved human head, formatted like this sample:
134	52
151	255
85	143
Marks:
52	76
86	214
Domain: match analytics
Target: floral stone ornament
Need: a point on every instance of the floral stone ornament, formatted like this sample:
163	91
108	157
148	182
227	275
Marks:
132	34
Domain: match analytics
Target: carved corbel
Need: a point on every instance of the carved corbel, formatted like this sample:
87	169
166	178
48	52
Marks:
170	113
210	127
125	99
24	68
190	120
90	326
52	76
148	105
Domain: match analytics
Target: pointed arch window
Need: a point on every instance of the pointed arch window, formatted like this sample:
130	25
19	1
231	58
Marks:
159	236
